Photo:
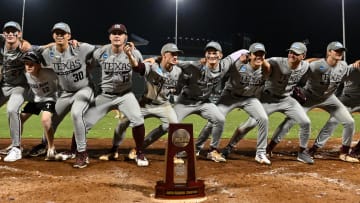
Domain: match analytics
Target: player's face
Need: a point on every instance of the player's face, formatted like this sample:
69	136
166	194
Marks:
11	34
294	57
244	58
171	58
61	37
212	57
31	67
336	54
118	38
257	59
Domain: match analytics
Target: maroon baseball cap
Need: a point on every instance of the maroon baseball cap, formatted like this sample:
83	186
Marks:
118	27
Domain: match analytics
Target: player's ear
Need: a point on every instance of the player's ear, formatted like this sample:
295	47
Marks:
220	55
19	35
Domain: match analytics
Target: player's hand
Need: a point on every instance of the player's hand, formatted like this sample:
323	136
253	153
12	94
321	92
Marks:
74	43
150	60
356	64
128	48
203	61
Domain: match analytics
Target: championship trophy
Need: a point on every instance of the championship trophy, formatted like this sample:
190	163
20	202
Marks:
180	177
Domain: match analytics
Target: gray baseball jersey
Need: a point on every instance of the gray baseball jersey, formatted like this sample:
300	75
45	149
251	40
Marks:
321	84
75	96
244	81
160	85
44	86
350	97
70	66
282	78
198	82
13	67
115	85
276	98
241	91
116	74
13	87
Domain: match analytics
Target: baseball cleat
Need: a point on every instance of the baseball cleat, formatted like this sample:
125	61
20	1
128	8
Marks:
63	156
226	151
109	156
132	154
215	156
141	160
348	158
38	150
262	159
82	160
305	157
13	155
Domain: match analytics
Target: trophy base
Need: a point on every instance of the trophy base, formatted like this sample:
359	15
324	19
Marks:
180	191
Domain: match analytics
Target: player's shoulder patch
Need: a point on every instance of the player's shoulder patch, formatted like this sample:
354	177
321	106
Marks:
105	56
242	68
51	54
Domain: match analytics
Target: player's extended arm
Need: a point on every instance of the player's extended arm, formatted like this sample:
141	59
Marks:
128	50
312	59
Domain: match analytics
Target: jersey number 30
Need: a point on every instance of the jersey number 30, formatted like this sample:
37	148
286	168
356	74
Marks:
78	76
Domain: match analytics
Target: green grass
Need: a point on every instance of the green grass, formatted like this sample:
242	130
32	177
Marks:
104	128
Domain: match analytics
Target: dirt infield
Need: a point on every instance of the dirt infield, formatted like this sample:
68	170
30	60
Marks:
240	179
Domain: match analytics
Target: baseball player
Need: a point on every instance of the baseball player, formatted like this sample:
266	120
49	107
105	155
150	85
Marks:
13	84
69	63
285	73
161	79
43	83
324	77
350	97
241	91
198	83
118	60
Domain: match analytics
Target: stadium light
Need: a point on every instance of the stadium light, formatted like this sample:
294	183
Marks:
176	21
23	16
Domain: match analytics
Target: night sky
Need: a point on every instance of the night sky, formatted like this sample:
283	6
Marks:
275	23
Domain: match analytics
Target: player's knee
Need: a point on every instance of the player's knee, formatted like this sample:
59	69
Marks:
263	119
349	123
305	123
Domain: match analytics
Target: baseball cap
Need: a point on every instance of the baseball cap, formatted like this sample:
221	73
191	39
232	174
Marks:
298	48
214	45
335	46
61	26
12	24
32	56
118	27
256	47
170	47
